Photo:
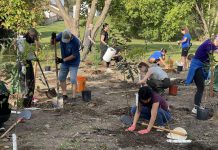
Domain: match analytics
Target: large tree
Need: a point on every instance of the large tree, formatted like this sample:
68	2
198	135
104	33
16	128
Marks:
162	19
19	15
72	22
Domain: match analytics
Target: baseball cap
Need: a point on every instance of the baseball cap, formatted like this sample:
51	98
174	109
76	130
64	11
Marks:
66	36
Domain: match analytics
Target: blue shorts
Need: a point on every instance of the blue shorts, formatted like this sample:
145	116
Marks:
64	70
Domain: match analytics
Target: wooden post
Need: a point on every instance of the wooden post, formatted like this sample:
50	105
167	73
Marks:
35	66
212	80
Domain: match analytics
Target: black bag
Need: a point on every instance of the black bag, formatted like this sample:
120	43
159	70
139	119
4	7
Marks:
5	111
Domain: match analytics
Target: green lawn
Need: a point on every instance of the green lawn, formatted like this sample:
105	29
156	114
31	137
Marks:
138	49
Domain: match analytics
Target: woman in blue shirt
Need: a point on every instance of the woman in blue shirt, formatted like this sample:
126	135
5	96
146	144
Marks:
186	41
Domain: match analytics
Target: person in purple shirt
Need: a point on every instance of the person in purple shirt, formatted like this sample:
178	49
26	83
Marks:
198	71
151	107
186	43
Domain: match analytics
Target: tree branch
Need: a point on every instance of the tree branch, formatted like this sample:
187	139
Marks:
77	15
101	18
91	15
54	10
205	25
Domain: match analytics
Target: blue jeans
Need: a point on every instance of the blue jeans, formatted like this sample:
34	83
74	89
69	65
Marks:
64	70
162	116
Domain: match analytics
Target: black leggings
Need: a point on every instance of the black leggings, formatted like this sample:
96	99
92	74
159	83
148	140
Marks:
199	82
27	83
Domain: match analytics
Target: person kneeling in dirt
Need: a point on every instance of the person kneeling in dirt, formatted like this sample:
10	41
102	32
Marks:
151	107
158	57
153	76
70	60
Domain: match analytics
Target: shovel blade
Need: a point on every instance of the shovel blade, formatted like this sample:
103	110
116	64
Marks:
25	114
51	93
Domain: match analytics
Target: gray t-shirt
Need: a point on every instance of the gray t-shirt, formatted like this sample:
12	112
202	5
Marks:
21	42
87	41
158	73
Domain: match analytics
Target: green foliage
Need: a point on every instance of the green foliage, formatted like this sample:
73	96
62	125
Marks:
158	20
11	74
19	15
175	18
128	69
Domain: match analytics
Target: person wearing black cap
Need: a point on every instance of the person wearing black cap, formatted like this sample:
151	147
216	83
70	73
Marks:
26	46
151	107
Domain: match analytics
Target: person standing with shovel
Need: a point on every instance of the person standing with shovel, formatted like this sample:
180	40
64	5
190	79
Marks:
26	46
70	60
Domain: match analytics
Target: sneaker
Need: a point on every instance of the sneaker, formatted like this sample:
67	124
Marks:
65	97
2	129
194	110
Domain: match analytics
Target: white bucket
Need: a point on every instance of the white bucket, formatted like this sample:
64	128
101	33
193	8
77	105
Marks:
136	99
109	54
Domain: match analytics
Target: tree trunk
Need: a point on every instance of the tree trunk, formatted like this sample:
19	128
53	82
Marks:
101	18
76	19
68	20
91	15
205	25
66	6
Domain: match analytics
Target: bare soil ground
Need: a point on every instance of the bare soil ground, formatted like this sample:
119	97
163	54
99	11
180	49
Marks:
96	126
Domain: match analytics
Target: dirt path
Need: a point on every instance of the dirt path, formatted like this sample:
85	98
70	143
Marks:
96	125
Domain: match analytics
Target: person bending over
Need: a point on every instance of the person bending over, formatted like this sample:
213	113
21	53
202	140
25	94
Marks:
158	57
151	107
199	68
153	76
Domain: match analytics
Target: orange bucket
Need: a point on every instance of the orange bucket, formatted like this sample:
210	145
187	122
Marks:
173	89
81	84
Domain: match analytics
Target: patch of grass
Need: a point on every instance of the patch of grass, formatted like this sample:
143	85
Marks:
73	144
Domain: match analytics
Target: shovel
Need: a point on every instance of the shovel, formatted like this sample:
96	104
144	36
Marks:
51	91
24	115
127	120
58	101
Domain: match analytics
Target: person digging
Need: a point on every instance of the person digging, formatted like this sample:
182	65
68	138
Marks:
70	60
159	57
151	107
26	46
154	76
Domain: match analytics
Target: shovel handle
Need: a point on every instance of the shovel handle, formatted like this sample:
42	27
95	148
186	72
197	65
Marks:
168	130
11	127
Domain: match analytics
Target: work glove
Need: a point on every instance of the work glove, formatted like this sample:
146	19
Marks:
59	60
53	38
145	131
132	128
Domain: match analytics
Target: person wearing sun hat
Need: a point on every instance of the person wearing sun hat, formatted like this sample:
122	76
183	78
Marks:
70	60
198	71
152	107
